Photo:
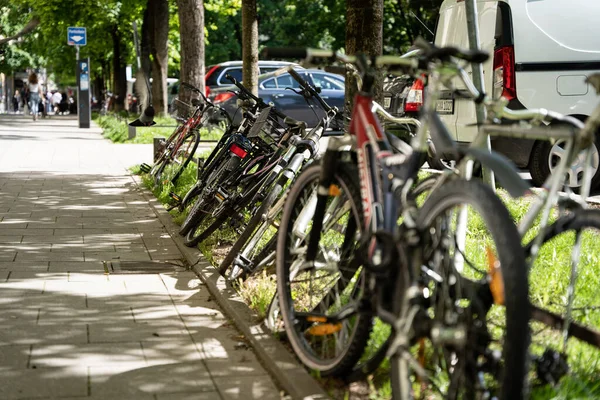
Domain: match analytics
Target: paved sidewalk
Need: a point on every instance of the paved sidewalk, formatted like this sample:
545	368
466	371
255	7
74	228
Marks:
70	331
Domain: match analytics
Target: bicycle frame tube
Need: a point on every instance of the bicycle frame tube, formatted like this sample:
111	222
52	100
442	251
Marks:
371	146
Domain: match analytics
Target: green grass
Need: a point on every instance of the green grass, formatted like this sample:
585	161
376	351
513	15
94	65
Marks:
547	287
115	129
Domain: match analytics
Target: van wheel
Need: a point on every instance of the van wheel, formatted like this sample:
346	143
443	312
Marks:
545	156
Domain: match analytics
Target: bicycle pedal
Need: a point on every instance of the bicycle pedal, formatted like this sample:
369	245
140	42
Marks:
145	168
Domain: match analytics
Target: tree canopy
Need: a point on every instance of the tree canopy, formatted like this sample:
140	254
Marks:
315	23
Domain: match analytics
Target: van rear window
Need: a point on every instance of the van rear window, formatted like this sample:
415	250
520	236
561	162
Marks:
503	34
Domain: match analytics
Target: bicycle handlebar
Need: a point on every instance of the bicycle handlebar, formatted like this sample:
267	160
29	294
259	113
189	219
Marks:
195	89
306	86
260	102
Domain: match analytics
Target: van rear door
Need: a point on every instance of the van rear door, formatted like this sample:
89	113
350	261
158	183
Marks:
459	114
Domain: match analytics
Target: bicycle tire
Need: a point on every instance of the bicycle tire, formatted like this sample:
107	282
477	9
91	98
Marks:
342	363
266	251
550	295
503	232
161	159
192	239
248	232
196	215
195	137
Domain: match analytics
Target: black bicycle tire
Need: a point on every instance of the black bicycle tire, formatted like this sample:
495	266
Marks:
264	252
195	216
360	335
266	204
159	164
192	240
514	270
182	167
576	220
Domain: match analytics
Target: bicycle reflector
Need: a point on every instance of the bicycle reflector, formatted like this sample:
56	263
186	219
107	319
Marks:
414	100
238	151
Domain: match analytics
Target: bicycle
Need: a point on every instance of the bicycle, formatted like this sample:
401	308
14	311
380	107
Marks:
329	332
181	146
300	148
240	170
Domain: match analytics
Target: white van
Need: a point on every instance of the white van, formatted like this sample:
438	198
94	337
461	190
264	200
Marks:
542	52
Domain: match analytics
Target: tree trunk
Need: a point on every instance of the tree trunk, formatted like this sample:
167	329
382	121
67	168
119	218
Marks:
191	33
364	34
119	71
250	45
159	36
145	44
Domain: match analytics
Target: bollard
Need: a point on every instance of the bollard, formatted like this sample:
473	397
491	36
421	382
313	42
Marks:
159	144
131	132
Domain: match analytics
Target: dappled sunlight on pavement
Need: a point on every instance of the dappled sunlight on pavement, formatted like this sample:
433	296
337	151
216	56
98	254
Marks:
85	313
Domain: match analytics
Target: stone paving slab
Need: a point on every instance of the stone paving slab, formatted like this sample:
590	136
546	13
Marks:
70	331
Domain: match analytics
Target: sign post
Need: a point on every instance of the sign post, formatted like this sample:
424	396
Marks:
77	36
84	111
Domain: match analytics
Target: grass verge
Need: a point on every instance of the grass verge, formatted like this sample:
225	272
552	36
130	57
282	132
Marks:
115	128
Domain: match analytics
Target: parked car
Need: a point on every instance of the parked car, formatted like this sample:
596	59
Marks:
215	74
276	90
542	52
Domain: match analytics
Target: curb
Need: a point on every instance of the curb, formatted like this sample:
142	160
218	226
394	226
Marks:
275	358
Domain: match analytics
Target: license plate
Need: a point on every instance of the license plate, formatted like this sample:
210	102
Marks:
445	106
387	102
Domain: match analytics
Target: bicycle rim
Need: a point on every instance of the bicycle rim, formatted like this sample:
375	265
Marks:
324	288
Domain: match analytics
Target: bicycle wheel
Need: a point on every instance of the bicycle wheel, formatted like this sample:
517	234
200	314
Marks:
457	331
201	208
162	159
206	202
550	276
309	293
207	227
183	155
251	227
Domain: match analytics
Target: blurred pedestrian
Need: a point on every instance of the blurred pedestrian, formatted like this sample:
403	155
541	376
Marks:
16	101
56	98
48	101
35	92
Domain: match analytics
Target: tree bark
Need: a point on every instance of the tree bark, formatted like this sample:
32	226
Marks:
191	33
159	36
364	34
145	43
119	71
250	45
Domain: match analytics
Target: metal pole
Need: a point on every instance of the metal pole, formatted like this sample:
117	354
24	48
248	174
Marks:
477	76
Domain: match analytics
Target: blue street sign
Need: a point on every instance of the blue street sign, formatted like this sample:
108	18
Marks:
76	36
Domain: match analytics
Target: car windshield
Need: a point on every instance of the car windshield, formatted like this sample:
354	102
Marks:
327	82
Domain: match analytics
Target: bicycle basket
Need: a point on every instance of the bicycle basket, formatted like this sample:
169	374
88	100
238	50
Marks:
266	128
181	110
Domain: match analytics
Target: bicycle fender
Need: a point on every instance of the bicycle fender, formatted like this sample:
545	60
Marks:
504	169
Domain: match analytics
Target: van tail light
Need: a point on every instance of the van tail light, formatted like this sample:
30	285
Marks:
504	73
414	100
238	151
221	97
